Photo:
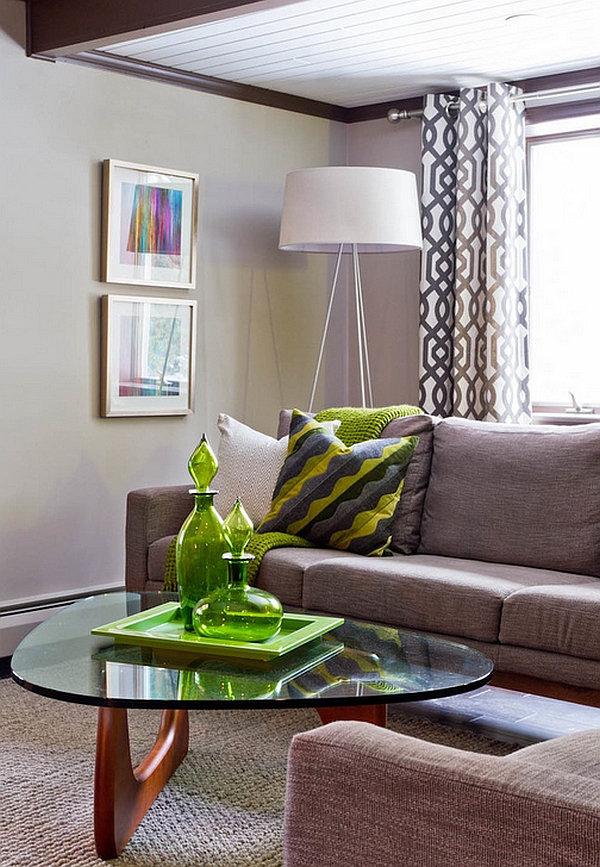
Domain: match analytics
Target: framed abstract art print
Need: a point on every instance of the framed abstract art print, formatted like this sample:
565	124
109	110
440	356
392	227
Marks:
149	225
148	356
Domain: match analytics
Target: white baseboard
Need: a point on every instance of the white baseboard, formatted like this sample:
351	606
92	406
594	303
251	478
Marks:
23	615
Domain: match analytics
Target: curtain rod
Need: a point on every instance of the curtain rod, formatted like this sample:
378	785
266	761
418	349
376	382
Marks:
579	90
395	115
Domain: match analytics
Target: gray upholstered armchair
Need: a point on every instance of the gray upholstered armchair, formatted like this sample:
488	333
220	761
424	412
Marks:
361	796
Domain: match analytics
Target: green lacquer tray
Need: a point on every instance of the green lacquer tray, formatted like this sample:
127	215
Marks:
162	627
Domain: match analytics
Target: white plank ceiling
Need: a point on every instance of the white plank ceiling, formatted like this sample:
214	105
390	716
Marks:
359	52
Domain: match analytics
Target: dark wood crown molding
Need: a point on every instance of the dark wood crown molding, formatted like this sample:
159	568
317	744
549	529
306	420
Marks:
561	79
380	109
72	30
207	84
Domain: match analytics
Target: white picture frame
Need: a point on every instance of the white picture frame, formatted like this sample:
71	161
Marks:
149	225
148	356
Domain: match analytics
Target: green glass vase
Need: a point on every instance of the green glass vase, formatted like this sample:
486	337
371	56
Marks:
226	682
238	612
201	541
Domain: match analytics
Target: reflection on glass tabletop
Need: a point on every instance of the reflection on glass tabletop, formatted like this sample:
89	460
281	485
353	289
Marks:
353	663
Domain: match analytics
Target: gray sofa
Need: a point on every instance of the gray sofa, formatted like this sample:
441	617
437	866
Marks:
496	545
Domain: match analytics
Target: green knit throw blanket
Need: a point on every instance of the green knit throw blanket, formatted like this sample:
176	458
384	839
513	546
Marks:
258	545
357	425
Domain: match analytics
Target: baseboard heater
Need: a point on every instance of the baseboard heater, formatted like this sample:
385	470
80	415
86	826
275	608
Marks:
20	616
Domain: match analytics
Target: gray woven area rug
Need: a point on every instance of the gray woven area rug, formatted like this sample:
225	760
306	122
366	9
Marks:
223	807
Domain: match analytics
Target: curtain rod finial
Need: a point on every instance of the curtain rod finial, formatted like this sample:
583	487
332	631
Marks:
395	115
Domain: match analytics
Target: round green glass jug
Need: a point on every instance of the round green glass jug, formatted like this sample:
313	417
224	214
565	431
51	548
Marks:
238	612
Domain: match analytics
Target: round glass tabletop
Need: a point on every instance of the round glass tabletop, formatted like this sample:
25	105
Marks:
353	663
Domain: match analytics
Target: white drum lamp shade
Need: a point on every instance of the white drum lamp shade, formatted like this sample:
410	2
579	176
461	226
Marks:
376	209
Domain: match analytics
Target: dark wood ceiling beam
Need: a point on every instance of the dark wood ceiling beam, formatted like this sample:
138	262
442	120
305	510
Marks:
60	27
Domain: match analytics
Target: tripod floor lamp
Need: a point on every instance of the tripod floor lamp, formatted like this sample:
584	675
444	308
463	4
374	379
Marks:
357	209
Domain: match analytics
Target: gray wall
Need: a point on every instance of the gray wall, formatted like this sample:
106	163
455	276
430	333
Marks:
390	280
65	471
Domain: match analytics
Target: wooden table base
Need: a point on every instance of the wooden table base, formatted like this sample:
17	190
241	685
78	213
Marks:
371	713
123	794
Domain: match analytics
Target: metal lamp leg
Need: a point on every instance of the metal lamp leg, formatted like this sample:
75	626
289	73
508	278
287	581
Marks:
366	387
326	326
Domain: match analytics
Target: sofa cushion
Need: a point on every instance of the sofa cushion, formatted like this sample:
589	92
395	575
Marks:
407	523
282	571
515	494
560	619
543	664
249	464
434	594
335	495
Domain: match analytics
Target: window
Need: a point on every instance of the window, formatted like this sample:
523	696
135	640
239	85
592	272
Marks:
564	240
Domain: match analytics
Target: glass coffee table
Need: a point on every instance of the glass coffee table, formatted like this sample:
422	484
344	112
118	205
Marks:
351	671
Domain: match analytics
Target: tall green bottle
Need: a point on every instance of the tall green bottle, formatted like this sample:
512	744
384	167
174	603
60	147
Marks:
201	541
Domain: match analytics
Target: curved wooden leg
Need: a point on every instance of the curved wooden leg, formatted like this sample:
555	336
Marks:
123	794
373	713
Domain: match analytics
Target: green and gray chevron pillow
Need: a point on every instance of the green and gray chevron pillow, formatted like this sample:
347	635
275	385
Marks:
338	496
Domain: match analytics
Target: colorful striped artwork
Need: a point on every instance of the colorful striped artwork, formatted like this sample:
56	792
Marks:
155	221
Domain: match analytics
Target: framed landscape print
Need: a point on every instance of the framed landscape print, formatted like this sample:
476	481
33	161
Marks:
149	219
148	356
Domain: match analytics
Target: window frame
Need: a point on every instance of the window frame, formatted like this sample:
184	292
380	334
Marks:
545	412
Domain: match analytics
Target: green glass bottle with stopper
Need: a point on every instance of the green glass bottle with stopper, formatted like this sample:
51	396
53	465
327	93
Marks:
238	612
201	541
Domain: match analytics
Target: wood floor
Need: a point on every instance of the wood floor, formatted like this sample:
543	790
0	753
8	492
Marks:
505	714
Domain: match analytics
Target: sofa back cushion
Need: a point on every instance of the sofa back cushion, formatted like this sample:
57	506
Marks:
514	494
407	522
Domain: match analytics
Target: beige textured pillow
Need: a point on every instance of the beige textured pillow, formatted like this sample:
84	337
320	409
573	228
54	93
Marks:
249	464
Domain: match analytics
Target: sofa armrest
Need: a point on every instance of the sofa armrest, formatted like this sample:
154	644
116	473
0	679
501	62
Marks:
357	794
152	513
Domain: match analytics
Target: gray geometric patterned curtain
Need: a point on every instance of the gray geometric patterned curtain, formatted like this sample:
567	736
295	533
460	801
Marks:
474	291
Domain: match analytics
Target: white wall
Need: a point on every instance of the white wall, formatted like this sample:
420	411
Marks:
65	471
390	280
